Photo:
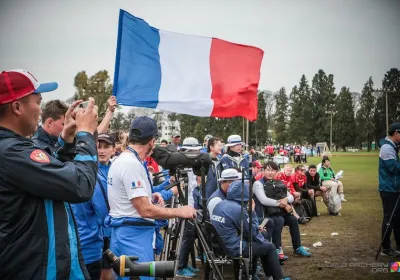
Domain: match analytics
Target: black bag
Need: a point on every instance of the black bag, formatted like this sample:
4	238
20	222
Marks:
308	207
304	209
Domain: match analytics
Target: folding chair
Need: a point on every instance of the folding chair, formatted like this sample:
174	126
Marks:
221	254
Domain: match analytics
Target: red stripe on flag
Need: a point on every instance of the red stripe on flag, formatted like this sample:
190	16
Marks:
235	74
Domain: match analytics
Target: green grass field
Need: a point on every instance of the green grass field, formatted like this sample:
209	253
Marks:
350	254
347	255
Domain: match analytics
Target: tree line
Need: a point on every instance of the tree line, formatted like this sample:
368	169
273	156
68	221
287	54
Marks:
301	116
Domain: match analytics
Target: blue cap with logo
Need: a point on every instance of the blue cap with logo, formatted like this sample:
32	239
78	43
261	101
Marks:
143	128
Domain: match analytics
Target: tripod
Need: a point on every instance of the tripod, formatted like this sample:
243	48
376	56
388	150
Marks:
175	235
387	227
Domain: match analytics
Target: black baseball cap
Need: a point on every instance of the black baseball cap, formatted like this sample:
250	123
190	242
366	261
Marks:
143	128
106	138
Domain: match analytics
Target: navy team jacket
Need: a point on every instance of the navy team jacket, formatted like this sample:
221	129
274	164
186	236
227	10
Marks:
38	237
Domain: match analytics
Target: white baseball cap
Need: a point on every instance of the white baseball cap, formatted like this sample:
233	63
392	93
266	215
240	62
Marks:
230	174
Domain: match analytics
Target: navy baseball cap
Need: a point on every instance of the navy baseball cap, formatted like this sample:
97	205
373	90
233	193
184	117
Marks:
394	127
143	128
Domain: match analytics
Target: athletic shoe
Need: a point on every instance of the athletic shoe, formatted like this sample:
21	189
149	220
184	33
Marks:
204	258
302	252
192	269
185	273
390	253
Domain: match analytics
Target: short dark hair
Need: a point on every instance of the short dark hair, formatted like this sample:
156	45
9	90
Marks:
136	141
312	166
211	142
299	167
164	141
324	159
54	109
271	164
3	110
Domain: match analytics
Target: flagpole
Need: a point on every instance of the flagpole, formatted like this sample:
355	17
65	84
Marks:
243	129
247	135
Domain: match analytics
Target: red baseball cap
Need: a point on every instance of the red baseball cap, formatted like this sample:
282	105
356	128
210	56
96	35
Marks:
16	84
257	164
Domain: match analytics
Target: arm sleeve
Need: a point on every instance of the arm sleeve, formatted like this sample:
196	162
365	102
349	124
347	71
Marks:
212	203
166	194
389	158
64	151
254	232
258	191
99	204
135	180
33	171
161	186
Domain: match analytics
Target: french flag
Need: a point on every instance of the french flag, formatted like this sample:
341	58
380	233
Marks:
185	74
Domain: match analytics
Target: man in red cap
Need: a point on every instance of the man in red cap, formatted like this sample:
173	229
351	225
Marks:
38	237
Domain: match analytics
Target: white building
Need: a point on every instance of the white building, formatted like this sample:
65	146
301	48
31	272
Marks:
167	128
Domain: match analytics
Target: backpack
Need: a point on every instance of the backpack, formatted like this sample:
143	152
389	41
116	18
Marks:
304	209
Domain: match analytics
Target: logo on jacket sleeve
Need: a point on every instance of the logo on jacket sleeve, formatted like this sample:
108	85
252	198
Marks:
218	219
39	156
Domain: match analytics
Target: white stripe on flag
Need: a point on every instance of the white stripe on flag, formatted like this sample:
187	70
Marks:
185	74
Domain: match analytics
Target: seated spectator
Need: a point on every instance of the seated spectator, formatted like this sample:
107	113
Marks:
335	187
299	181
256	171
273	200
228	176
227	223
286	177
313	182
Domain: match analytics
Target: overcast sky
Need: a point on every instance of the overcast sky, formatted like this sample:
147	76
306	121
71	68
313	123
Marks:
354	39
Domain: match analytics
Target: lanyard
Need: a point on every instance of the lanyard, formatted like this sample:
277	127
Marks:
143	164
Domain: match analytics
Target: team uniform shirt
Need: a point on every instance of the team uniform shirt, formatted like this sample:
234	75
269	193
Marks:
287	180
299	179
127	179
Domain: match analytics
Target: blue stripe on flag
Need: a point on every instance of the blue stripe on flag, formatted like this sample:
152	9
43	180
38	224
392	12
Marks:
51	252
137	76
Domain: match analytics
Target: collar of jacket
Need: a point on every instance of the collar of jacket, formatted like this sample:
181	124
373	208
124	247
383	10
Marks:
45	137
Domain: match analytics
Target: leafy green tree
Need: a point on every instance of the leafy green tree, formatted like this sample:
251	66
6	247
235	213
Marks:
323	98
344	121
365	118
391	82
296	121
281	116
97	86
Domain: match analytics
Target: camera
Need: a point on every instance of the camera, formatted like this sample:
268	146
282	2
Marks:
173	160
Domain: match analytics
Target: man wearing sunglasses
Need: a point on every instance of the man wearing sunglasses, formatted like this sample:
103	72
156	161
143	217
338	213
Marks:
389	187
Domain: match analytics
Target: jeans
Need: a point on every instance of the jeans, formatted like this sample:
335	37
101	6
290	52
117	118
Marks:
291	222
187	244
266	251
388	202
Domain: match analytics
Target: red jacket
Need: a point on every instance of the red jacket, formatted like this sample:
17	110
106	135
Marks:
287	180
151	162
300	179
